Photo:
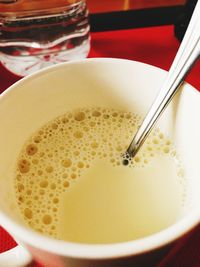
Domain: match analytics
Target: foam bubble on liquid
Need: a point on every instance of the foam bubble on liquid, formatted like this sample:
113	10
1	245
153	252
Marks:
59	153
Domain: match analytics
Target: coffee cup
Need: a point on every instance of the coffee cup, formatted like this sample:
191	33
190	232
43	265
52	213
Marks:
108	83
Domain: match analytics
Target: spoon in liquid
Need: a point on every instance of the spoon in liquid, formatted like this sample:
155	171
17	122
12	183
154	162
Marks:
187	55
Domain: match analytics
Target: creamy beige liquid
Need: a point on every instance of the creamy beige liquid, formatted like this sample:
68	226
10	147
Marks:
71	185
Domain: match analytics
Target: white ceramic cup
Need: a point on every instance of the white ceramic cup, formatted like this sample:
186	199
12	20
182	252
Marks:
115	83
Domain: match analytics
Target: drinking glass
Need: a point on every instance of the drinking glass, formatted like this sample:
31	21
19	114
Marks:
35	34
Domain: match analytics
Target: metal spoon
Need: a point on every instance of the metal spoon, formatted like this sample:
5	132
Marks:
186	56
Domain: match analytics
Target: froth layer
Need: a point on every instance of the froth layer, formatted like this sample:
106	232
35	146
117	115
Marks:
57	155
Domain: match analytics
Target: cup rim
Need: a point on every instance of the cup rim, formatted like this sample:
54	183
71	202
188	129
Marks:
100	251
97	251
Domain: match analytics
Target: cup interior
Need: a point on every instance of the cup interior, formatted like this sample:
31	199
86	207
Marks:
108	83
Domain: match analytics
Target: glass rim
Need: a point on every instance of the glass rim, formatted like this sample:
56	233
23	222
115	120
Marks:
49	11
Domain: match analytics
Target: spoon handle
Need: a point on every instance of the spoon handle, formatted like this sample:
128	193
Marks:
187	55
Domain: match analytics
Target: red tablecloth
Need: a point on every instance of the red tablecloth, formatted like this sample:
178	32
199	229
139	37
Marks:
156	46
